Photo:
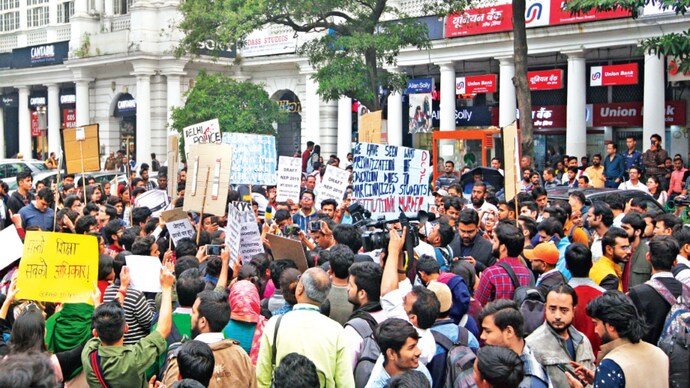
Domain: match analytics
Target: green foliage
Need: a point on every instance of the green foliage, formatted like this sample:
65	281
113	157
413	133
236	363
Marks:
352	44
673	44
239	106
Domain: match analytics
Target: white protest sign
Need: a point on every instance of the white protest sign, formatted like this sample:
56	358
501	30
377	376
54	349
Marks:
180	229
254	158
289	179
12	246
156	200
233	232
250	236
332	185
144	273
388	177
207	132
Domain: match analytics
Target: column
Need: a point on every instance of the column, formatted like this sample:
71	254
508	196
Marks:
395	119
143	133
312	111
345	128
174	95
654	106
447	105
2	133
507	101
24	122
576	126
53	118
82	92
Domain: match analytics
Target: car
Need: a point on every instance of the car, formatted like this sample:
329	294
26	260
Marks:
593	195
10	168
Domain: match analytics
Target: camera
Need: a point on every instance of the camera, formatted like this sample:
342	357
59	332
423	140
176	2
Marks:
213	250
292	230
375	233
314	226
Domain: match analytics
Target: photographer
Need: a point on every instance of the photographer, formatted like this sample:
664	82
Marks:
321	232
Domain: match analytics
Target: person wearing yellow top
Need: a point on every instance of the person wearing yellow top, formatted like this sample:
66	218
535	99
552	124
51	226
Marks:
595	172
607	272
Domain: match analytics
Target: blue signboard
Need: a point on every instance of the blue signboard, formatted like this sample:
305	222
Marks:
42	55
420	85
469	116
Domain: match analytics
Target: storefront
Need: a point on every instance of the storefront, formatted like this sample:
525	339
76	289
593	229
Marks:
38	107
68	111
10	109
126	111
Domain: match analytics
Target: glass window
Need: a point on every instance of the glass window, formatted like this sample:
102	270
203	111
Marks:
37	16
65	11
9	15
122	7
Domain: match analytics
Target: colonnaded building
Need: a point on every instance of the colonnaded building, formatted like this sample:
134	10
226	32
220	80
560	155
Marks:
111	62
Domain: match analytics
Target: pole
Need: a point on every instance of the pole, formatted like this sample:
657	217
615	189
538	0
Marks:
83	174
203	204
57	189
518	174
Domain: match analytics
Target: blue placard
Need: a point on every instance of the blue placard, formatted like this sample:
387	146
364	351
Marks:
254	158
420	85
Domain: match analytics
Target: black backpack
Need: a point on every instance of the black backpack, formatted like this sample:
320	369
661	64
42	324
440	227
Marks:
529	300
369	353
454	367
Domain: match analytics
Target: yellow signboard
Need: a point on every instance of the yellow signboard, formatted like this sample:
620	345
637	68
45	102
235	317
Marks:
58	267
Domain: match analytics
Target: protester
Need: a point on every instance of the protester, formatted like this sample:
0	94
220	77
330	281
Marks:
607	272
497	366
468	244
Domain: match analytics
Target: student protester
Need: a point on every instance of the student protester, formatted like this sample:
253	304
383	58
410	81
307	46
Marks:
607	272
497	366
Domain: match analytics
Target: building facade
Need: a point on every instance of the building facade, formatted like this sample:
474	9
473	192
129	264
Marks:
111	62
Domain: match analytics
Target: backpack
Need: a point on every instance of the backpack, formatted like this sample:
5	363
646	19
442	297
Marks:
461	298
678	269
529	300
457	361
675	336
369	353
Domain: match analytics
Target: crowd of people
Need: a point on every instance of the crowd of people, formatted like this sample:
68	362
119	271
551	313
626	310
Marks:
529	292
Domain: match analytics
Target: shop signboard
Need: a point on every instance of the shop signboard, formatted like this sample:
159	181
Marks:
9	101
476	84
674	75
69	117
35	128
271	40
629	114
468	116
624	74
420	85
545	79
41	55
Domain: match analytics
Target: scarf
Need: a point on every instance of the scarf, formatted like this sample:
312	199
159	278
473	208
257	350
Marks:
245	306
365	311
69	328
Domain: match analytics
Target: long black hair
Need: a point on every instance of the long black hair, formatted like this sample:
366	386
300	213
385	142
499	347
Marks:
28	332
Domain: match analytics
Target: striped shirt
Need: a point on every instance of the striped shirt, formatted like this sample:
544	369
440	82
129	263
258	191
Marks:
138	312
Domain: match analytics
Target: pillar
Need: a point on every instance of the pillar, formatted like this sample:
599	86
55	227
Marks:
507	102
24	122
345	128
447	106
2	133
310	108
53	119
82	93
654	105
576	126
143	133
395	119
174	94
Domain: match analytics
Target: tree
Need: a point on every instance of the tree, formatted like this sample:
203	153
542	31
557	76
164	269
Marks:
348	55
672	44
524	95
239	106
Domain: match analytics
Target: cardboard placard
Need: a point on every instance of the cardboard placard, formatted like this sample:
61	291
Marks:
332	185
370	127
173	215
387	178
156	200
173	161
511	152
207	132
208	172
144	273
254	158
90	147
289	179
12	246
286	248
58	267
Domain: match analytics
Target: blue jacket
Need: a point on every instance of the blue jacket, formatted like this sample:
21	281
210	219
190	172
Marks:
31	216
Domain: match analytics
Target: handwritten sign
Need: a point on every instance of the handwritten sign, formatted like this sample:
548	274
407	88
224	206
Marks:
333	184
208	178
58	267
156	200
144	273
254	158
207	132
233	232
387	178
250	237
289	179
12	246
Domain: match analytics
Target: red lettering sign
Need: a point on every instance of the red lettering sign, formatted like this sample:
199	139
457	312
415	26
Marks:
476	84
559	16
625	74
629	114
35	131
480	21
69	118
545	79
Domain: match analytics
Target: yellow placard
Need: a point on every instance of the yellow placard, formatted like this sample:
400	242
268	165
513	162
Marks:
58	267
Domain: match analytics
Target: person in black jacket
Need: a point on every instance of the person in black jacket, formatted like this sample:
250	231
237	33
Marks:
649	302
468	244
23	196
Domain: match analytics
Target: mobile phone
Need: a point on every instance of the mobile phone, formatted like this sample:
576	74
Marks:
314	226
292	230
213	250
567	368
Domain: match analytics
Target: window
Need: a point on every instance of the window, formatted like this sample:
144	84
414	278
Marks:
9	15
65	11
122	7
36	13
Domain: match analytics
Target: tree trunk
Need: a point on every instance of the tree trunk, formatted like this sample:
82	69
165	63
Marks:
372	64
524	98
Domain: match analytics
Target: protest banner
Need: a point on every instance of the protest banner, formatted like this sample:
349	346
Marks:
208	178
12	246
58	267
233	232
144	273
286	248
207	132
156	200
250	236
78	151
254	158
289	179
178	224
332	185
387	178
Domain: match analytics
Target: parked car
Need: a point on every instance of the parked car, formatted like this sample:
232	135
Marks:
593	195
10	168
